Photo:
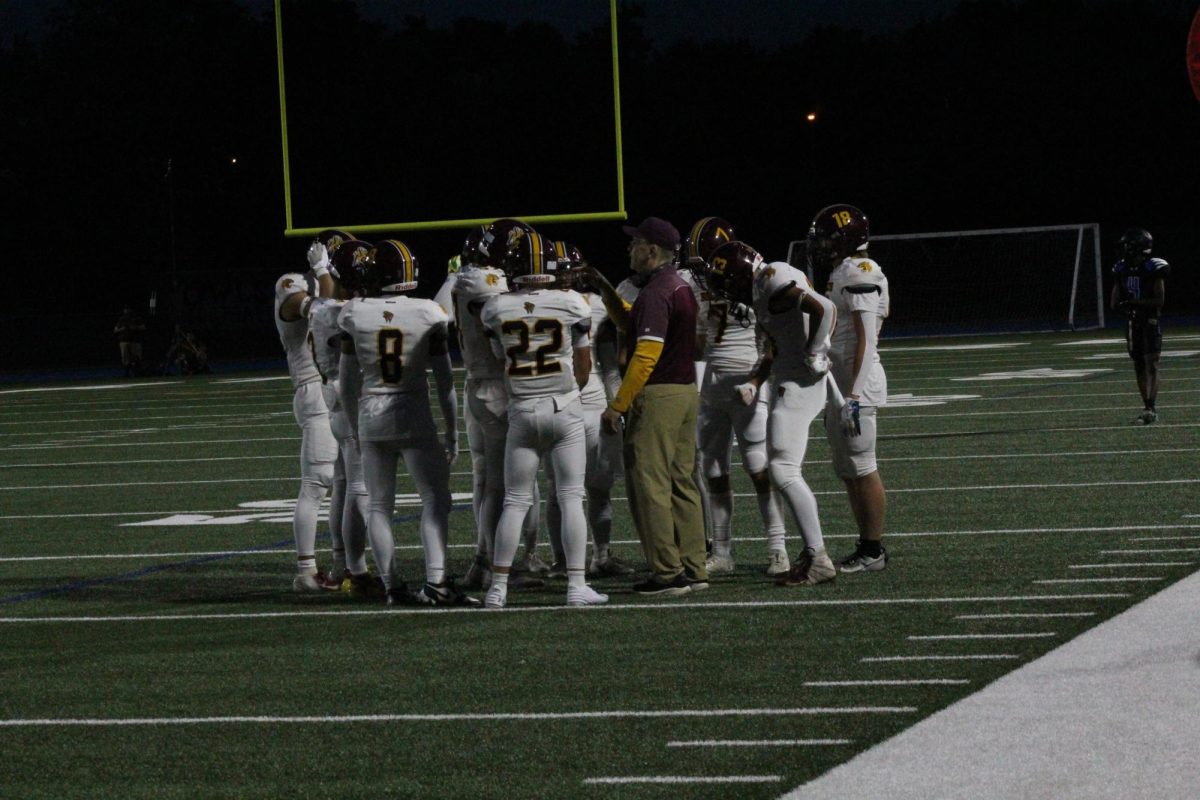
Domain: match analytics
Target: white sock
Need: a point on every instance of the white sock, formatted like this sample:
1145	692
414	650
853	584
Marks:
772	514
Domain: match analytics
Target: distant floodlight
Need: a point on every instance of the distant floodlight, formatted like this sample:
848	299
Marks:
811	117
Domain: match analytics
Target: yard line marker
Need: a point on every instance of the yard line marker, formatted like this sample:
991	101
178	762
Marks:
760	743
1127	564
963	636
683	779
1191	538
1100	580
992	657
472	717
1158	550
651	606
1052	615
912	682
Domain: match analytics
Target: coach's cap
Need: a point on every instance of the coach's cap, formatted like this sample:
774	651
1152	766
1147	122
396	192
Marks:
655	231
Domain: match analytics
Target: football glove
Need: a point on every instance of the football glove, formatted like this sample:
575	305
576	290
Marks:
451	444
746	392
851	426
318	259
817	363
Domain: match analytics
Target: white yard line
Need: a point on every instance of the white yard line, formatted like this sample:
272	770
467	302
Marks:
530	716
986	657
1154	550
176	443
1051	615
1052	581
1191	538
949	637
1132	564
291	456
756	605
760	743
682	779
909	682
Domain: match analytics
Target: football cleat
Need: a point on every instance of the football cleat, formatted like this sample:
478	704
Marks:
532	564
365	587
585	596
1146	417
858	561
778	563
399	595
558	571
608	566
312	582
444	594
478	576
496	597
719	565
809	570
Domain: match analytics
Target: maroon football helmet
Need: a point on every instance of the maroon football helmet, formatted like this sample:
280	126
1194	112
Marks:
346	262
730	275
529	257
496	241
389	268
706	236
837	232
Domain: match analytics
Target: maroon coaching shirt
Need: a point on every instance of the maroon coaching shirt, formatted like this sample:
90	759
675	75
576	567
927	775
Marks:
665	311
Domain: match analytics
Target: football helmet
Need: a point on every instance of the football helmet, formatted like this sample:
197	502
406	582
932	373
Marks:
730	276
497	240
389	268
564	264
472	249
346	262
837	232
706	236
332	238
528	257
1136	243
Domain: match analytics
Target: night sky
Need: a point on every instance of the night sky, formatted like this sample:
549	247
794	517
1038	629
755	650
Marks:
935	115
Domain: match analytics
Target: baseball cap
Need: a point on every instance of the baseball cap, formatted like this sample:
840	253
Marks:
655	231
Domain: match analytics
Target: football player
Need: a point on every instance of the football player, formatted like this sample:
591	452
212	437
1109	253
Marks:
318	448
838	243
542	333
603	452
396	341
347	520
1139	289
485	397
797	322
731	350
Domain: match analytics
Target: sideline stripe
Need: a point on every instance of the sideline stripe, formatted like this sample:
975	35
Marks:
476	717
964	636
760	743
993	657
1157	550
913	682
683	779
651	606
1052	615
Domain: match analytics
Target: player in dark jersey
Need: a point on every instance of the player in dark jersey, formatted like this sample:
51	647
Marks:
1139	291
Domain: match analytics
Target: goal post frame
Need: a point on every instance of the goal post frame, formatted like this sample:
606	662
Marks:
599	216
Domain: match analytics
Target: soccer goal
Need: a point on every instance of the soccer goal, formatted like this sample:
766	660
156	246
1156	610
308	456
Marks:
1004	279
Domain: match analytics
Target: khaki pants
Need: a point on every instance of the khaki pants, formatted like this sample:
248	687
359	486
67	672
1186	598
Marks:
660	454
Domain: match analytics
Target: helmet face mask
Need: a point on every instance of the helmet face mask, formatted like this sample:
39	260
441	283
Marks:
389	268
565	265
1136	243
837	232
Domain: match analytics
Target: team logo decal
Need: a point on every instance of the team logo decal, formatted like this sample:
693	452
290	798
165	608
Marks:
529	308
491	279
388	316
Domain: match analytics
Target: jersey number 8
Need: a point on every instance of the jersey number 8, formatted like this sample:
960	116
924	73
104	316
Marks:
391	344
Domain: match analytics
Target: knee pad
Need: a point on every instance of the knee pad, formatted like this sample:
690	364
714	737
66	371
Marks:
313	488
320	475
754	457
783	472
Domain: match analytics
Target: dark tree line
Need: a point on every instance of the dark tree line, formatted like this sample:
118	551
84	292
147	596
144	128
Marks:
122	121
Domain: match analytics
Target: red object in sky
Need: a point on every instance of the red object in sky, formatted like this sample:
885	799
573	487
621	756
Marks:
1193	54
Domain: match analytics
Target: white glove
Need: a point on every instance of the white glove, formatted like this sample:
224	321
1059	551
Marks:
746	392
850	424
318	259
451	444
817	363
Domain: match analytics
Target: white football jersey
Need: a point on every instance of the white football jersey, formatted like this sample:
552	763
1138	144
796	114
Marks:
302	367
729	343
391	340
445	295
788	330
858	284
325	336
538	331
474	286
593	392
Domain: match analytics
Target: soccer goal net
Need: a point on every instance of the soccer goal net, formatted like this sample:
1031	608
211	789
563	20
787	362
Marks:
953	282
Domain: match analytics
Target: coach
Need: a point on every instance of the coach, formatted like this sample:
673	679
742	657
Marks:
658	397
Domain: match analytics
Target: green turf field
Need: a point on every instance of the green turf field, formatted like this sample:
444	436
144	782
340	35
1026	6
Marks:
152	646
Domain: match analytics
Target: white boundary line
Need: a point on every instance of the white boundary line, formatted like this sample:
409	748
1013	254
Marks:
1154	550
682	779
946	637
472	717
988	657
654	606
1099	580
1051	615
760	743
1132	564
912	682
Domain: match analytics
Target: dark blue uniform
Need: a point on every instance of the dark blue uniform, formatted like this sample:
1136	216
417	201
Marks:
1143	334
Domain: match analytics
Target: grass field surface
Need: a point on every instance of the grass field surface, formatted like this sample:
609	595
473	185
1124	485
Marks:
153	646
